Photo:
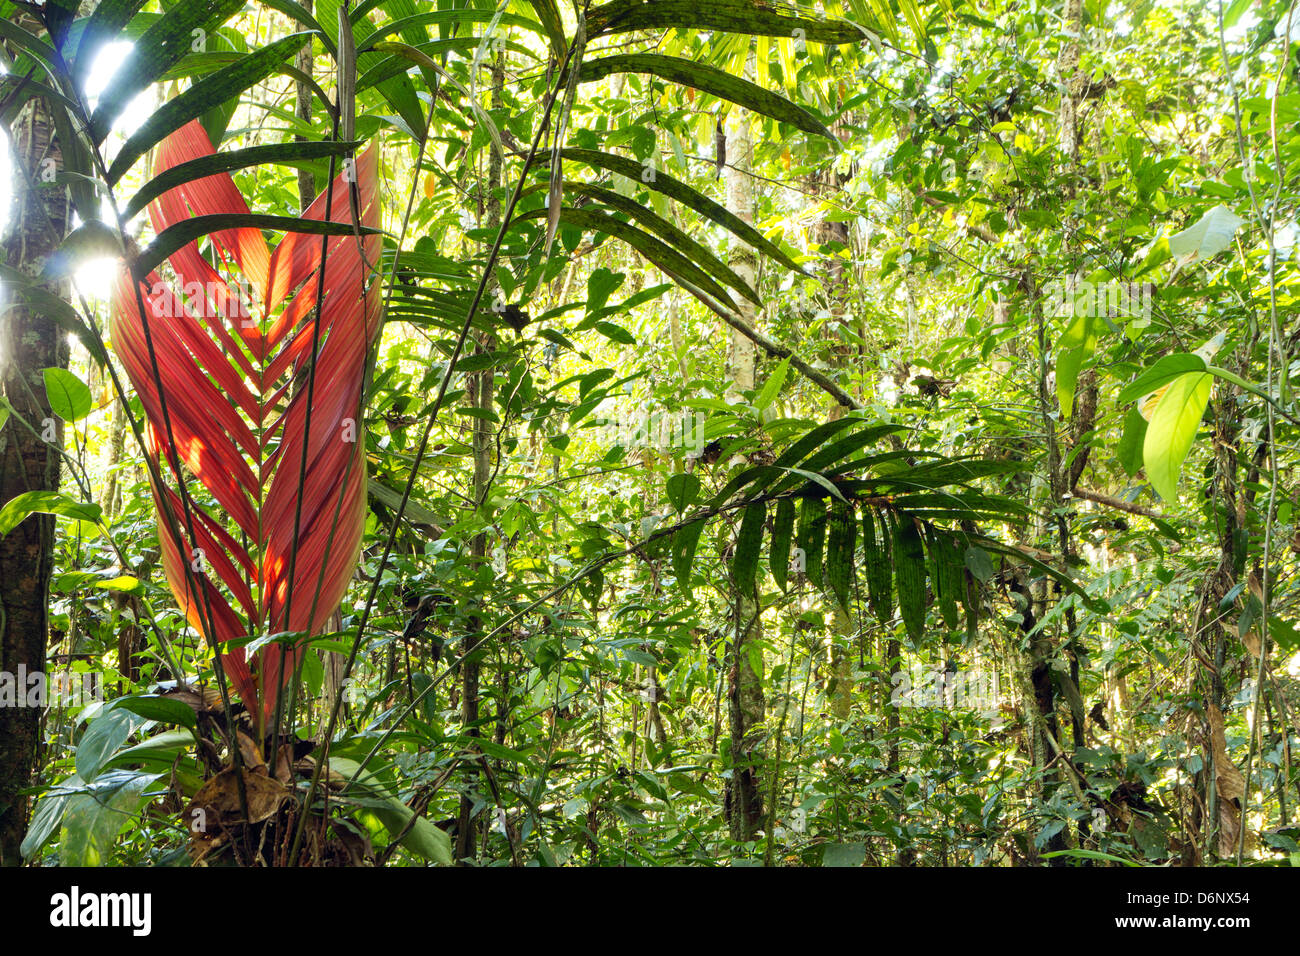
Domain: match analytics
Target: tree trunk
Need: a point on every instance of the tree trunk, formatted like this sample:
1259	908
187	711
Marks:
112	499
745	702
29	342
302	109
480	395
843	354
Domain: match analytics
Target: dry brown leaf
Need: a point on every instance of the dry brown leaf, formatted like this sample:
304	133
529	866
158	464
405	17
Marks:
1230	786
284	764
1252	582
250	752
219	797
1228	779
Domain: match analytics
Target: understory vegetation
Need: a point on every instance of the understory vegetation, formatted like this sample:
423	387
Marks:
554	433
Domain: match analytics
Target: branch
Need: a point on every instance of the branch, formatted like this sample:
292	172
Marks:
775	349
975	229
1119	504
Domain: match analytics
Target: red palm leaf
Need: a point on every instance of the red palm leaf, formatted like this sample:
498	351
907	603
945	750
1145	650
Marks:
234	383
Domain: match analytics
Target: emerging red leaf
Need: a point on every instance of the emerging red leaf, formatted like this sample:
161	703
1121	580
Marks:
232	337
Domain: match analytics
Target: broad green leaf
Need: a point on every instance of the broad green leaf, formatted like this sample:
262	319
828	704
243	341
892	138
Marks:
749	540
1207	237
158	751
844	854
877	563
153	707
772	387
684	543
811	536
1075	347
1172	428
123	582
44	502
1162	373
1091	855
48	816
68	395
601	284
423	838
910	575
782	537
93	818
979	564
415	512
1284	633
615	333
682	490
840	545
1129	451
104	736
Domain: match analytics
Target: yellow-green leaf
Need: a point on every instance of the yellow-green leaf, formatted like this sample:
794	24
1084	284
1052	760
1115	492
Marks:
1172	429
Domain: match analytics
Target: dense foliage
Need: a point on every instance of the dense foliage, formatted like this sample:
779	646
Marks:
726	431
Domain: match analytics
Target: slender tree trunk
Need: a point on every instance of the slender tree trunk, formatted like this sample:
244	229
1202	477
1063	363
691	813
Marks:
29	455
480	395
302	109
112	500
745	702
843	353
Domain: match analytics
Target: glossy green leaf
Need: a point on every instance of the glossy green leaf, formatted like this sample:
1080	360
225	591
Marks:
782	538
1173	427
93	817
684	544
68	395
1161	373
682	490
749	540
44	502
1207	237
